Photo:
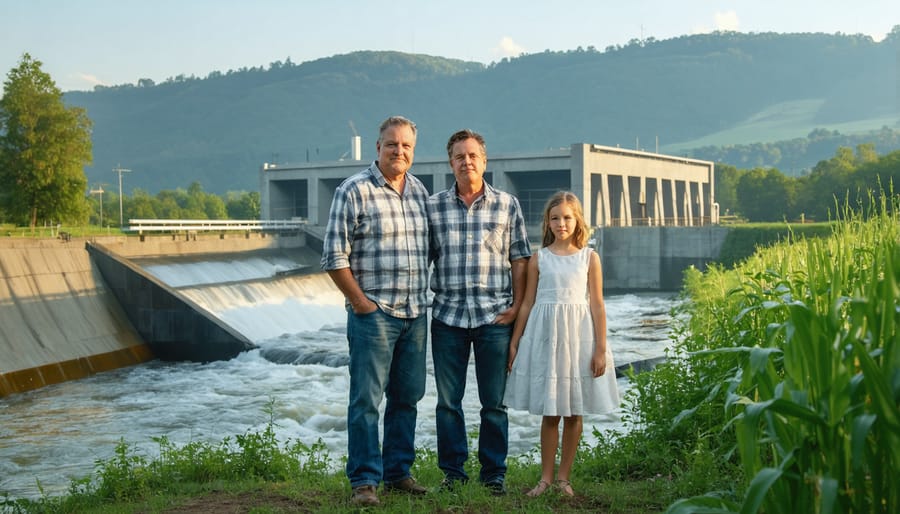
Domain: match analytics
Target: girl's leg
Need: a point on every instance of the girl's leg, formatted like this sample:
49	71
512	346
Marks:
549	444
572	427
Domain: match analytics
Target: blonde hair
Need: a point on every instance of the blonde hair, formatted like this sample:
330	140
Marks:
581	234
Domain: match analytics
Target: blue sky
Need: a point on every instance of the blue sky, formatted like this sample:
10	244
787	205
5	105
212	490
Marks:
82	43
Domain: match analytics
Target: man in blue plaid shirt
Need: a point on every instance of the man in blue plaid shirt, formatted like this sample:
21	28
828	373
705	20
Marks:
480	249
376	252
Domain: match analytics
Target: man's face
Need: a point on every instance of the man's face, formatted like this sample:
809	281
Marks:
396	149
468	161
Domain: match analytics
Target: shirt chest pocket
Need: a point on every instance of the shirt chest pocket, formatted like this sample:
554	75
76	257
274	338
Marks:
494	239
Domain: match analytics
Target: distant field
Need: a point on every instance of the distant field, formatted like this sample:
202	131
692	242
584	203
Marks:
780	122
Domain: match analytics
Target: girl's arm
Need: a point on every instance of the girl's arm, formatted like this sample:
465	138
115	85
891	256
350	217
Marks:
531	280
598	315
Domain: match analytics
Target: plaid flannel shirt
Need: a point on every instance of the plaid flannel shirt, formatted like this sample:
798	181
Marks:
382	236
471	248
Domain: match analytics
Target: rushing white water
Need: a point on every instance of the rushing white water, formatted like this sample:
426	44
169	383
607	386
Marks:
53	435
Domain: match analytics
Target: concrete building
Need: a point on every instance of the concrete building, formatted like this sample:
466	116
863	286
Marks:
619	188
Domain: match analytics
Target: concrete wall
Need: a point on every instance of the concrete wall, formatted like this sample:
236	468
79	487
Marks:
196	244
654	258
175	327
59	321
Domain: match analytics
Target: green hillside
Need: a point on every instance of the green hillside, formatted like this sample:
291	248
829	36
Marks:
692	95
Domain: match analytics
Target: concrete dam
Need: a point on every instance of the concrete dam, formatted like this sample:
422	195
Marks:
73	308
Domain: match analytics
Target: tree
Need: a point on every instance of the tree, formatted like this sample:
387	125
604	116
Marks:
765	195
141	205
214	207
727	178
243	205
44	147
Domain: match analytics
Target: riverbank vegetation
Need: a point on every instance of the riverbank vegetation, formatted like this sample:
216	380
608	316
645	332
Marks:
767	194
780	394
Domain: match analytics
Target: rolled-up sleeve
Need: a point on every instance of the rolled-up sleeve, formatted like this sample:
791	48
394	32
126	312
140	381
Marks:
519	247
336	246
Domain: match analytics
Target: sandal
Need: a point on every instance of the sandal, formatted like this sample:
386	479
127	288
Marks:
565	487
538	489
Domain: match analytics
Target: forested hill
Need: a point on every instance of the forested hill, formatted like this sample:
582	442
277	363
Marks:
683	94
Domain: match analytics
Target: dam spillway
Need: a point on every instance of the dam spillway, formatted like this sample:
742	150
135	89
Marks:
60	318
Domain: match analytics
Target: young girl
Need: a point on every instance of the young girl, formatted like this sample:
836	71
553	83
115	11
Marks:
559	363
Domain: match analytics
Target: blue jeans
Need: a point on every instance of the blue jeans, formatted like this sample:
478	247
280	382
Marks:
387	358
450	349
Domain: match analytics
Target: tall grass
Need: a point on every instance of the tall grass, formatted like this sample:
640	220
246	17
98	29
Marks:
795	355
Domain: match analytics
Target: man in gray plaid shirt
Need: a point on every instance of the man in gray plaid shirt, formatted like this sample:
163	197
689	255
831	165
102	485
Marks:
480	249
376	252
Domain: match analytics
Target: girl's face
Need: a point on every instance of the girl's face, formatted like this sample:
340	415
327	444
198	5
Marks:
562	221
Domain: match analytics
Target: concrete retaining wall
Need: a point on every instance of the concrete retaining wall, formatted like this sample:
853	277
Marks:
59	322
654	258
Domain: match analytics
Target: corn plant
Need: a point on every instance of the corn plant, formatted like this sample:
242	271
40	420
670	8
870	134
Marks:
808	369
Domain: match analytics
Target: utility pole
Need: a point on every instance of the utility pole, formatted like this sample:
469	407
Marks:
99	191
119	169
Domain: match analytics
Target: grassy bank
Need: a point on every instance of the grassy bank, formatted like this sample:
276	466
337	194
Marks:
254	472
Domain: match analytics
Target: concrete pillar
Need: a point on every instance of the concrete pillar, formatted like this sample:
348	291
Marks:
600	207
322	195
264	199
580	178
642	200
626	202
701	204
688	211
607	200
500	180
312	201
675	213
658	214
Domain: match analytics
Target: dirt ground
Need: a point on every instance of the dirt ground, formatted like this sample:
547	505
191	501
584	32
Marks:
221	503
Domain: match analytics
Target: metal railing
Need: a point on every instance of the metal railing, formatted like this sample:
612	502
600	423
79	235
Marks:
152	225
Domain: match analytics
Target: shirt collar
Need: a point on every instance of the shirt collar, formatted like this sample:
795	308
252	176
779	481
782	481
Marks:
377	175
489	191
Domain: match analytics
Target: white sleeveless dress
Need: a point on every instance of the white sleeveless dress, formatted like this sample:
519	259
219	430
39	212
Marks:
551	375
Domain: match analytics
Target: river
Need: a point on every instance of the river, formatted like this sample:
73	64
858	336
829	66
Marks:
53	435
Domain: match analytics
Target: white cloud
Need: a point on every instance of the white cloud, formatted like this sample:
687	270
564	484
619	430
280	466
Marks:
508	48
88	79
722	21
727	21
700	29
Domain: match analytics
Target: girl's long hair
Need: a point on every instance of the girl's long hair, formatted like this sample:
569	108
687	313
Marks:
581	235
